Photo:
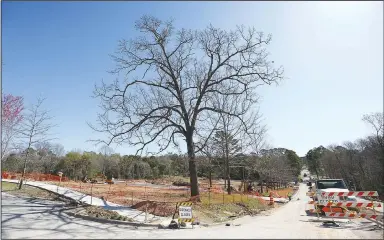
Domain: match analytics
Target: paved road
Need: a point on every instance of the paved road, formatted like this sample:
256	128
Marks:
23	218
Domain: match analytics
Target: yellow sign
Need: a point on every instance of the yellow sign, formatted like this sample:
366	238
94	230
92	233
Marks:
185	212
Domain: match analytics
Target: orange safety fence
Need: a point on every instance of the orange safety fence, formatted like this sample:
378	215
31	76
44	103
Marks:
121	193
130	193
34	176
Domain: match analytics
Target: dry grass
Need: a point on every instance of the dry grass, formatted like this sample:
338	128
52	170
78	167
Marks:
222	212
280	192
284	192
209	212
223	198
28	191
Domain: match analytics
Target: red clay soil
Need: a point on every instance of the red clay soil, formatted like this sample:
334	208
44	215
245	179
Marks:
156	208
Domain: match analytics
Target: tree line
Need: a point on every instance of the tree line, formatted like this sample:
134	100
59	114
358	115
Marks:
360	163
76	165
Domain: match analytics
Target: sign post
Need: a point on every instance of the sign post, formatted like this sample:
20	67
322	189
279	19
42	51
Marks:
61	175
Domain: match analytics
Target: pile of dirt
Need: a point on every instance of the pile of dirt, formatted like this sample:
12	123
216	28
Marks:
181	183
99	212
161	209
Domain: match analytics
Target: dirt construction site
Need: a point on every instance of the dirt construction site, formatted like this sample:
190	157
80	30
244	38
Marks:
223	216
159	197
39	218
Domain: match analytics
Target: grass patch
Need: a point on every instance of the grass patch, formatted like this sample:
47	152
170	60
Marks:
28	191
281	192
213	210
224	198
284	192
235	205
7	186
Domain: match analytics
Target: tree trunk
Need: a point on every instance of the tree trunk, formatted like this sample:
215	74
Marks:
23	174
229	180
24	169
192	168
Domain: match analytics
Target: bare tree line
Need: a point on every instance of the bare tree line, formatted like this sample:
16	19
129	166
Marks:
360	163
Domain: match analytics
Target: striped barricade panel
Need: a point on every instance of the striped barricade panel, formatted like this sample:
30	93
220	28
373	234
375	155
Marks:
352	215
355	204
187	204
353	194
349	204
186	220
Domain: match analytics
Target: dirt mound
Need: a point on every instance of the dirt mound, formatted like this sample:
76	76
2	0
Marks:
99	212
156	208
181	184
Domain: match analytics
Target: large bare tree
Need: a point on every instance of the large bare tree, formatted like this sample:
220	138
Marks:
35	130
170	77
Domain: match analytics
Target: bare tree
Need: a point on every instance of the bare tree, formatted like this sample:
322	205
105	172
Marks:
376	120
35	130
58	149
106	151
359	163
11	117
235	134
180	72
210	153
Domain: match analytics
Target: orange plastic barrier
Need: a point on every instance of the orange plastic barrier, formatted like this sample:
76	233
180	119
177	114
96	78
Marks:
35	176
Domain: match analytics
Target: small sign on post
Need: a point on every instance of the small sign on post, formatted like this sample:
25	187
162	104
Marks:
185	212
61	175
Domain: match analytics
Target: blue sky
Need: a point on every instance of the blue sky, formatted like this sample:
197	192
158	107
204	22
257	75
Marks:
332	54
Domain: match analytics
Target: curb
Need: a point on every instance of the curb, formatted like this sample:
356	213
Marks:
102	220
220	223
56	193
213	224
224	223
